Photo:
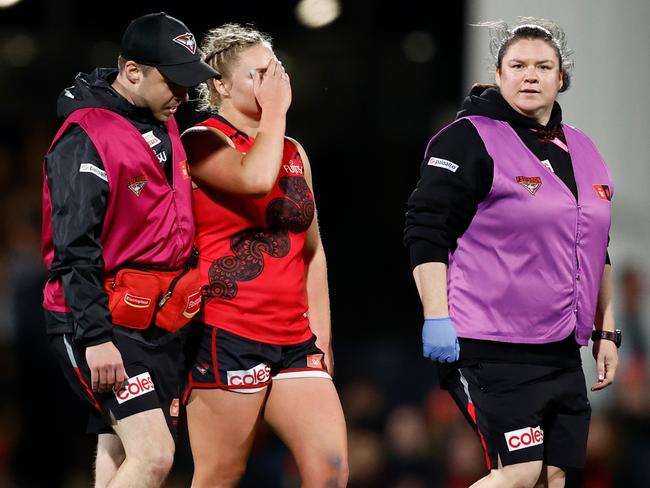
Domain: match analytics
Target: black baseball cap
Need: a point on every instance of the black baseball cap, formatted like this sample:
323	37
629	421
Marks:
162	41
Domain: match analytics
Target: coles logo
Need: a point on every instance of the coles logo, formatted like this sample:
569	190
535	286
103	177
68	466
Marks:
136	302
138	385
193	305
250	377
523	438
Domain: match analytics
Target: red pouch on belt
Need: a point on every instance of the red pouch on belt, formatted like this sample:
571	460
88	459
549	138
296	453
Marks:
137	297
181	301
133	296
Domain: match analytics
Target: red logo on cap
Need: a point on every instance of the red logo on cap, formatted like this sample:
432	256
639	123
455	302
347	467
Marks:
187	41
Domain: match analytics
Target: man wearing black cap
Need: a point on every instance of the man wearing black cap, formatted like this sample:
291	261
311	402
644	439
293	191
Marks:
116	197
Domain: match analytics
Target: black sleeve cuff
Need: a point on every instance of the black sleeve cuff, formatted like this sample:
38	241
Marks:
425	252
94	340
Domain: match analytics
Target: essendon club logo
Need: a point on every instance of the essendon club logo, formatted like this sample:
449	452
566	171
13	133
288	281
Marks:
523	438
202	368
530	183
136	184
603	192
136	386
187	41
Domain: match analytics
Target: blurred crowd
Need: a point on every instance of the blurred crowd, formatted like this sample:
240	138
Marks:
404	432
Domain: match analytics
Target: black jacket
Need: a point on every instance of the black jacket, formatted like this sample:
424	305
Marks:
79	201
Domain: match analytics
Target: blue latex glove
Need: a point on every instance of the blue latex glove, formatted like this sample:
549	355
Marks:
439	340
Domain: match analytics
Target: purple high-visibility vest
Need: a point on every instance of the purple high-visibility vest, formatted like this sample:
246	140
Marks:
529	266
147	221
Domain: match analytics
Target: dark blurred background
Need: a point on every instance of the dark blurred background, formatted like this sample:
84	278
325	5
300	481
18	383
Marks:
369	90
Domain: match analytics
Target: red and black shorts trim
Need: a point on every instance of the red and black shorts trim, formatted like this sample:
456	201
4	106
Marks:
155	374
225	360
525	412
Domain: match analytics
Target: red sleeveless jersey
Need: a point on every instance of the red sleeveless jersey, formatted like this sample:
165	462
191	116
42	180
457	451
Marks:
251	252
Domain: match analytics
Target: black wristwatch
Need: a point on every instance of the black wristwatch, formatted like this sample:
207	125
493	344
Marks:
615	336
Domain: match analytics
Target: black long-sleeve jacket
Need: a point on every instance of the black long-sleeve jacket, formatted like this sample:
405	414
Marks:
79	200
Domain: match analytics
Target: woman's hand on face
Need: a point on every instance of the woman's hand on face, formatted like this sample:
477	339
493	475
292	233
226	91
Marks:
272	88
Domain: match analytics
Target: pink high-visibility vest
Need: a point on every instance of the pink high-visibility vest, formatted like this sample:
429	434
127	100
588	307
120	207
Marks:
147	222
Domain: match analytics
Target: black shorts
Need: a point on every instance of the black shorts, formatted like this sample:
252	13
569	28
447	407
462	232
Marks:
248	366
525	412
155	374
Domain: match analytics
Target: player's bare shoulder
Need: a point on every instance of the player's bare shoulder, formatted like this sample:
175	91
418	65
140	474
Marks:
200	141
